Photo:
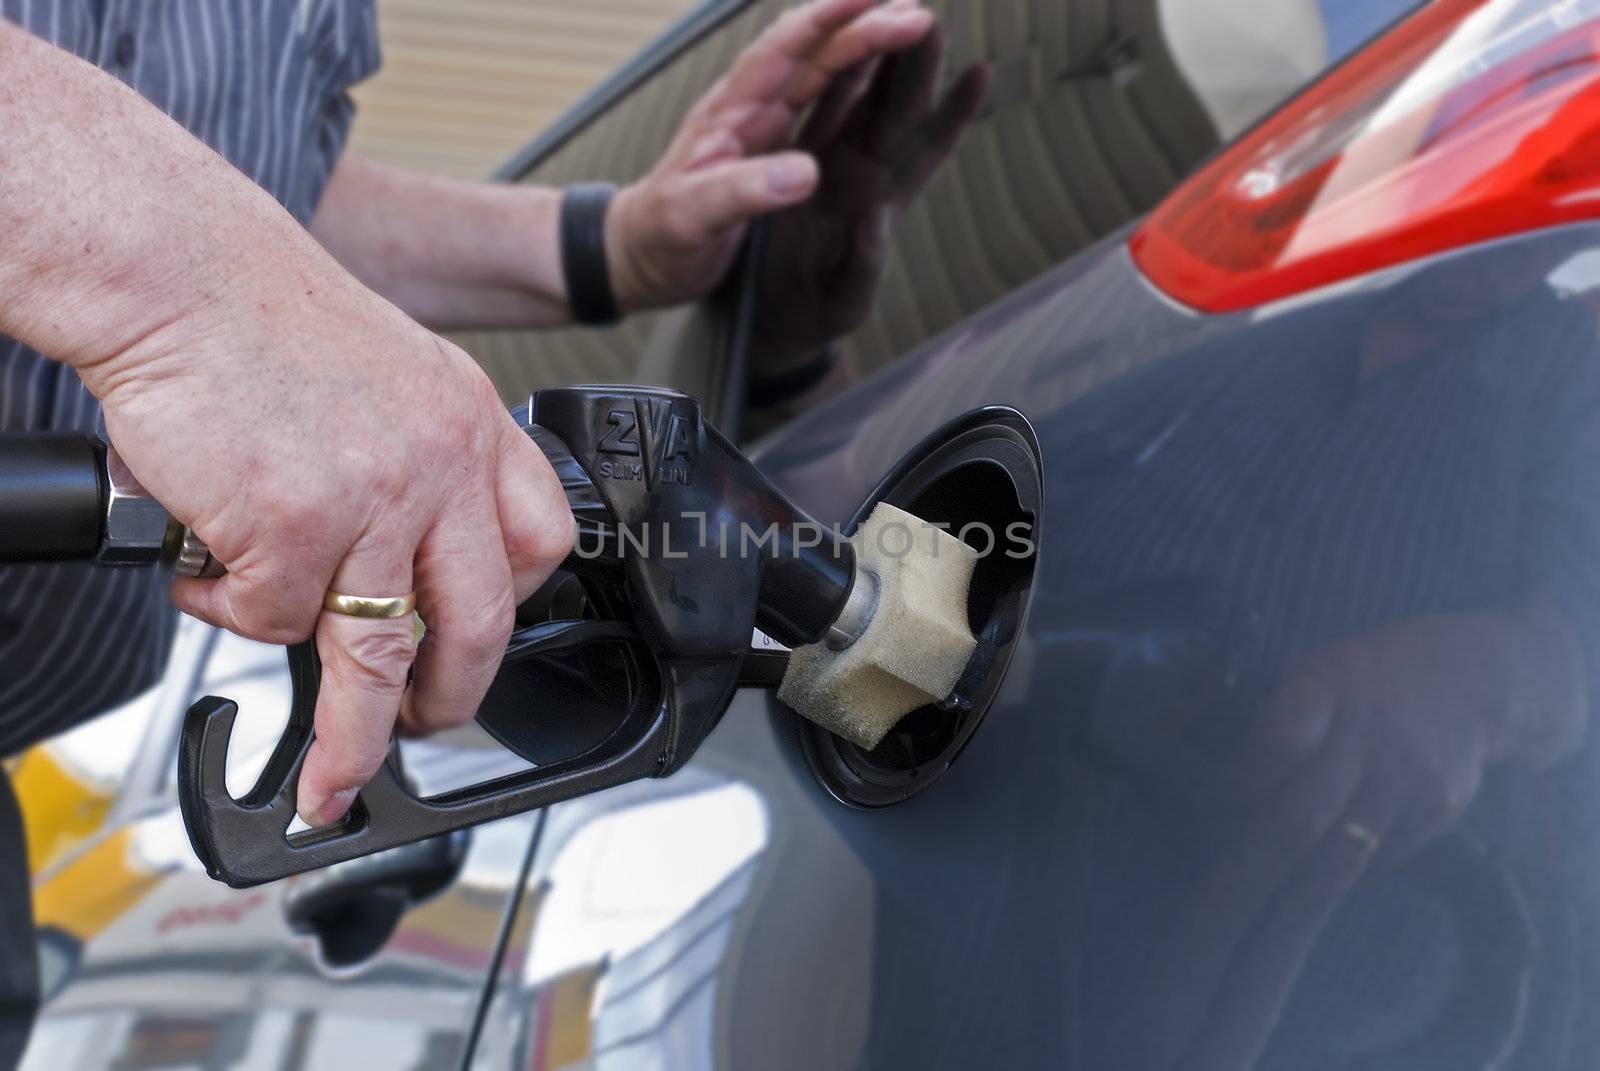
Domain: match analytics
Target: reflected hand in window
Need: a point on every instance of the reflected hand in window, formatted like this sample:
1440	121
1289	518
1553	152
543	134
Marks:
879	133
671	236
1371	749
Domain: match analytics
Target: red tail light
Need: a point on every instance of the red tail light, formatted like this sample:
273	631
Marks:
1470	120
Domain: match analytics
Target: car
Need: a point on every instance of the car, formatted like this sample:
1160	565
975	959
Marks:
1276	328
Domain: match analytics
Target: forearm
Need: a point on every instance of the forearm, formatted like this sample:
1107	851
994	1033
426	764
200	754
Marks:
1550	690
458	254
116	224
453	254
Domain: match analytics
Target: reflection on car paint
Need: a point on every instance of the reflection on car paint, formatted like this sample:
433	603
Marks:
1294	770
1307	676
1085	889
218	978
638	898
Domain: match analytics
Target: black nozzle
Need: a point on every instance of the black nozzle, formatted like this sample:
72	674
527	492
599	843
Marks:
52	496
807	568
711	547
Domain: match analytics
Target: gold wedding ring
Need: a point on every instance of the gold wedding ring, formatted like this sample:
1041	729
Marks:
376	609
1363	836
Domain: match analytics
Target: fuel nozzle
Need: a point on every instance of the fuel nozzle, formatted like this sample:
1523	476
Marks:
710	548
65	496
877	622
685	548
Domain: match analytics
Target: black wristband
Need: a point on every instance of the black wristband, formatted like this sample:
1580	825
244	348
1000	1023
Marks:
768	392
583	253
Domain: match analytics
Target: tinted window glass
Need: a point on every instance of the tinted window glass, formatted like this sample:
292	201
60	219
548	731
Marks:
619	145
1094	110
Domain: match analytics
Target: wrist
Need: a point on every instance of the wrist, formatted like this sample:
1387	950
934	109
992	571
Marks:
630	279
262	287
153	328
584	246
1549	704
796	381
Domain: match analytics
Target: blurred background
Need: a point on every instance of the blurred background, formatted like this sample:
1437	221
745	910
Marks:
465	84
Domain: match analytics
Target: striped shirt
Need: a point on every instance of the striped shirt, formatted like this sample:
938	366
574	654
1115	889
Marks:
265	83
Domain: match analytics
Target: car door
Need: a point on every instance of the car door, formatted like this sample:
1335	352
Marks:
764	908
148	962
738	914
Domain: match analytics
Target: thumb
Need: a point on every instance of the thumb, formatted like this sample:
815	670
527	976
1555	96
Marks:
283	610
719	198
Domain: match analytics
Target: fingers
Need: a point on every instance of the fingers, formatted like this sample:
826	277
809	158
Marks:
795	59
464	594
712	201
469	570
675	229
894	27
837	104
796	40
902	97
268	605
940	135
535	523
1280	943
364	668
472	572
1222	909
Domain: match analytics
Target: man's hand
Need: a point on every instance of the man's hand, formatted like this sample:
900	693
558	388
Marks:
474	255
672	236
880	133
319	439
312	434
1370	749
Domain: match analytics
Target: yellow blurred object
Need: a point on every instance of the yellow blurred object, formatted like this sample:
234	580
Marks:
61	811
93	890
60	808
565	1025
436	927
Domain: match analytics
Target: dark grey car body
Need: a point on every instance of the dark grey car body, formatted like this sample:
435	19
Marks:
1291	766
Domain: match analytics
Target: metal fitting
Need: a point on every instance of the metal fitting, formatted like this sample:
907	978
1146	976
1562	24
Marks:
189	556
138	530
135	524
859	607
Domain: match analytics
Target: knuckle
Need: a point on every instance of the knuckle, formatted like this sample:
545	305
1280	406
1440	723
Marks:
381	657
1296	736
288	510
680	225
712	102
427	719
543	546
387	480
459	438
345	766
285	634
754	191
276	621
483	635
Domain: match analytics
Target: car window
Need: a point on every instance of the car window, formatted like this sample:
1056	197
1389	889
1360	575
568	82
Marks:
619	144
1095	112
1096	109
